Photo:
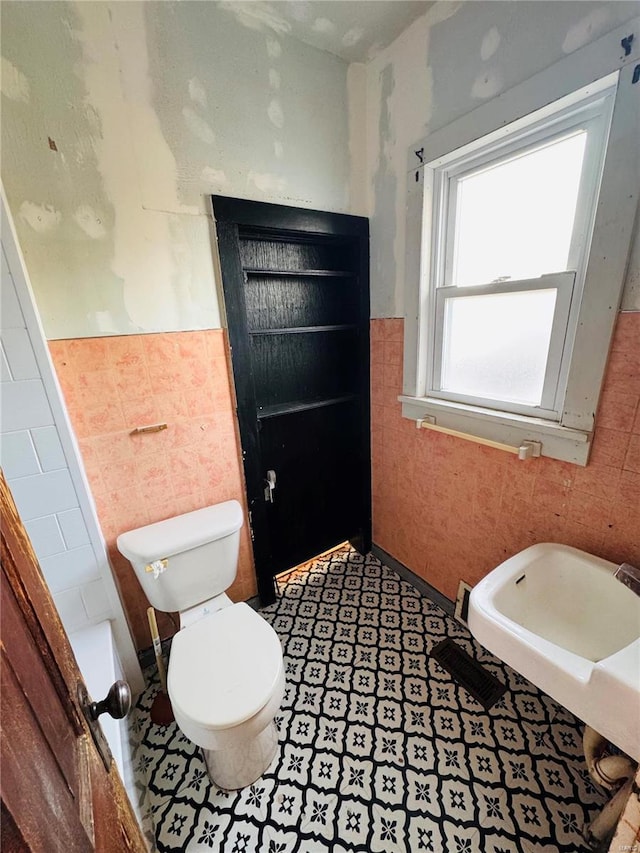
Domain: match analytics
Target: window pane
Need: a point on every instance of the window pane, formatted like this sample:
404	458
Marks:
515	219
496	345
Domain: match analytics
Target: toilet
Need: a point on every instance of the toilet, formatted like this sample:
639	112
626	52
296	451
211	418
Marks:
226	673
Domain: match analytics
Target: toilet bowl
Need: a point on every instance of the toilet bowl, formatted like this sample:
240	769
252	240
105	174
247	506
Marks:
226	673
226	682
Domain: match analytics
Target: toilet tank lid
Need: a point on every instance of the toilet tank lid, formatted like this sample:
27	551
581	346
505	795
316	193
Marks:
181	533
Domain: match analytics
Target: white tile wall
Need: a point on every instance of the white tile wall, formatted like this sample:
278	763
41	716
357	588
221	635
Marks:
5	373
19	352
48	448
43	493
36	469
73	528
10	310
70	568
46	536
71	609
95	600
17	454
24	405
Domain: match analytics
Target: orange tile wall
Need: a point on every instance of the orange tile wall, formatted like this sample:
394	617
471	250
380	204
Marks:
450	509
114	384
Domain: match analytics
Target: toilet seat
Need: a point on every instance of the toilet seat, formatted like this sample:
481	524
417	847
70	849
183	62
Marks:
224	668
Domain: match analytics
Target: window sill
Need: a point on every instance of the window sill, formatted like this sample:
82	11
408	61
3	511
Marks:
558	442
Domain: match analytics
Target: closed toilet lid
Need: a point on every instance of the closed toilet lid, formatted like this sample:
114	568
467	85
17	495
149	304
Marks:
223	669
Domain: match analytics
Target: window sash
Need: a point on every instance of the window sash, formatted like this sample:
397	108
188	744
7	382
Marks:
592	118
549	408
591	115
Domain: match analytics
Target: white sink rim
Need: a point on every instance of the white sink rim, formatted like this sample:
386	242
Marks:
582	580
604	694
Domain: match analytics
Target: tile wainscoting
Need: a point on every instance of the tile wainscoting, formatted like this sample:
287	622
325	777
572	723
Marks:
112	385
450	509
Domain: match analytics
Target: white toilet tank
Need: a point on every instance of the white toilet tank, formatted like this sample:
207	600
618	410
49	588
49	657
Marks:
187	559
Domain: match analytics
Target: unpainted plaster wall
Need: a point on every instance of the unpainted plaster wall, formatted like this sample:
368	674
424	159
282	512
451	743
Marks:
448	62
120	118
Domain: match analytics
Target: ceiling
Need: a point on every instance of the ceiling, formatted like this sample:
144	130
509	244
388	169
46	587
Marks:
355	30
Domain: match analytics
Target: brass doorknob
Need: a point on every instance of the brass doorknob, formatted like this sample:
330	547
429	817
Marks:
116	703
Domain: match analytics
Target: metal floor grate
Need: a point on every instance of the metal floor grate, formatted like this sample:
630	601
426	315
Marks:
468	673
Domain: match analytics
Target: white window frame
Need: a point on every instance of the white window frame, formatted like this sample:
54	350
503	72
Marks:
563	429
590	112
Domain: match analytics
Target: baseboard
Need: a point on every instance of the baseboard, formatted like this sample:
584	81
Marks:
421	585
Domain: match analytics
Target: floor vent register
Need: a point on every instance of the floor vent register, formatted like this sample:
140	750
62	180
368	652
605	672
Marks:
468	673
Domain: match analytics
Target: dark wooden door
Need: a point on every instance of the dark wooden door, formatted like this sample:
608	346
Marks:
57	794
297	299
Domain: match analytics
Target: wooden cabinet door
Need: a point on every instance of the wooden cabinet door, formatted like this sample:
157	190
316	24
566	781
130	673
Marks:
57	794
296	291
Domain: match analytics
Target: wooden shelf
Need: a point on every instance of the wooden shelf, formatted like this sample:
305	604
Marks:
302	406
298	273
299	330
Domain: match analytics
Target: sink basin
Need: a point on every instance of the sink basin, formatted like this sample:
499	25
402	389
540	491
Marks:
559	617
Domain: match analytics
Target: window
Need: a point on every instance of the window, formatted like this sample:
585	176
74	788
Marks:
518	234
508	258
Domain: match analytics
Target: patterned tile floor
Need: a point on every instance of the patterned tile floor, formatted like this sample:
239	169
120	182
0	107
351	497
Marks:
379	749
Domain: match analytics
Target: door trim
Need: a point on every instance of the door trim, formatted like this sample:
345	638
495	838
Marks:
230	216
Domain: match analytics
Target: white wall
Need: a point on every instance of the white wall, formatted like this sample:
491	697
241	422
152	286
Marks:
119	119
43	472
449	61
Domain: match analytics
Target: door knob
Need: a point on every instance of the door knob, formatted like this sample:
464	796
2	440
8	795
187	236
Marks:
116	703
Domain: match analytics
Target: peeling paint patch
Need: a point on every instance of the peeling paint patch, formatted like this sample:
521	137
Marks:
41	217
582	32
384	261
14	84
490	43
90	222
301	10
323	25
213	176
487	84
274	78
257	16
266	182
274	48
352	36
274	111
278	149
197	92
198	126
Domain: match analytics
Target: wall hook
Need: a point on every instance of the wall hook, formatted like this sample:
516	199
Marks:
626	44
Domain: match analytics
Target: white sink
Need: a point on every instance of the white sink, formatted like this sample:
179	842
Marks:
559	617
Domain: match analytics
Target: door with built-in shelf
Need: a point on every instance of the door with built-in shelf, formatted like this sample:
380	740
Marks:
296	292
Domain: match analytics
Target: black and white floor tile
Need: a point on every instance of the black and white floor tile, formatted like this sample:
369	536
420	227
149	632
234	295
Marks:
380	751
